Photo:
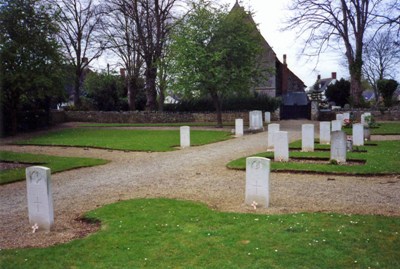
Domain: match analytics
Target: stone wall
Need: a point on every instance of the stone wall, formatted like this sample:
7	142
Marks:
155	117
388	115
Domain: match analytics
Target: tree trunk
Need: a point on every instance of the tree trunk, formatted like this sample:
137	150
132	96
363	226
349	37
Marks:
218	108
77	92
151	92
161	98
13	121
355	83
131	94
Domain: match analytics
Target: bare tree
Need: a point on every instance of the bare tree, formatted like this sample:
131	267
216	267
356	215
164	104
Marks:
343	22
153	19
79	22
381	58
120	31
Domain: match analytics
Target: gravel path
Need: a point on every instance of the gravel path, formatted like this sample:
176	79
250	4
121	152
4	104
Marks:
196	173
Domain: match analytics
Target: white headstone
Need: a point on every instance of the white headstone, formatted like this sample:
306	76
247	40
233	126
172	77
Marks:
255	120
267	117
238	127
363	122
338	146
281	146
324	132
358	134
185	136
273	127
257	181
340	117
336	125
307	137
346	116
40	198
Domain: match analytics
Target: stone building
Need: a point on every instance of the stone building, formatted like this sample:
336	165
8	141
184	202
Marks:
280	79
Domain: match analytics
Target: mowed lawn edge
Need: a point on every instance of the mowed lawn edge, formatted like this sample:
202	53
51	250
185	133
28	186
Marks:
380	157
163	233
55	163
127	140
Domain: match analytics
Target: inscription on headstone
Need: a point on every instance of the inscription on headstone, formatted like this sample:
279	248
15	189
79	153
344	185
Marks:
40	199
281	146
185	136
273	127
324	132
338	146
307	137
257	181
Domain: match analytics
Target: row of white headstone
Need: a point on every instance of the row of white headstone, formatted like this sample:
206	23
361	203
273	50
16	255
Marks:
255	123
346	116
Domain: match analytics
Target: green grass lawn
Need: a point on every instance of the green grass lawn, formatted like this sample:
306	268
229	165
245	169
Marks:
132	140
192	124
56	164
383	158
161	233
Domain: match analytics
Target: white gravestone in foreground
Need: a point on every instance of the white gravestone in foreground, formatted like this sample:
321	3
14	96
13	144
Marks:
185	136
358	134
307	137
273	127
267	117
281	146
325	132
40	198
255	120
238	127
257	181
336	125
338	146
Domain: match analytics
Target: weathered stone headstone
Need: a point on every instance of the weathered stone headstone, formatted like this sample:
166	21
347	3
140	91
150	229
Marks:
281	146
267	117
358	134
257	181
307	137
338	146
255	120
272	127
238	127
185	136
324	132
336	125
40	197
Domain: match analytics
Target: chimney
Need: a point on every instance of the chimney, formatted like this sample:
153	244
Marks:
122	72
285	76
318	77
333	75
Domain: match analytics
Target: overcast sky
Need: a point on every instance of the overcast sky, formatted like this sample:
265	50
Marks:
269	15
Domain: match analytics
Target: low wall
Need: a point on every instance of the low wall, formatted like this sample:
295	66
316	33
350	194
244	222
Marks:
388	115
155	117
